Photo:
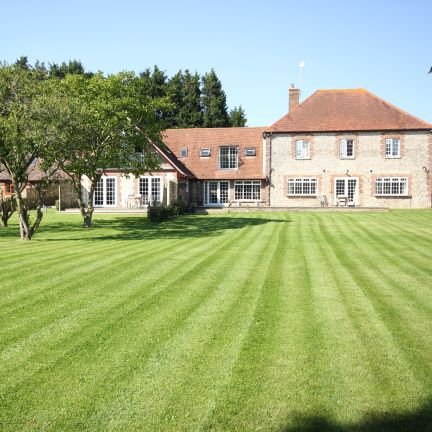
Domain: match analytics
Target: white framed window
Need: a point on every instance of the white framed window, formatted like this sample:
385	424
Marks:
385	186
346	149
205	152
302	186
250	151
392	148
150	189
216	192
228	157
105	192
302	149
247	190
183	152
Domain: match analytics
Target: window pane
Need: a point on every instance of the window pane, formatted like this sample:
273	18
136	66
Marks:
223	192
110	191
378	187
98	193
144	189
156	189
302	149
299	148
350	148
302	186
340	187
343	148
228	157
395	147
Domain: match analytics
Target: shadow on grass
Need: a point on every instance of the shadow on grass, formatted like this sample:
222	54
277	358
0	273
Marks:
137	228
416	421
182	227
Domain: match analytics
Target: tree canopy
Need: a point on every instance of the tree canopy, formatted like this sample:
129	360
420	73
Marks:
22	137
103	122
197	101
64	117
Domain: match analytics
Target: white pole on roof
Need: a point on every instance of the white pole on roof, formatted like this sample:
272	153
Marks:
301	66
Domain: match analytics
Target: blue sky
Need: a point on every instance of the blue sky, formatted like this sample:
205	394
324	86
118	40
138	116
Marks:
254	46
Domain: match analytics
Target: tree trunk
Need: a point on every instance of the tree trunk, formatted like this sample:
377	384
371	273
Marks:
86	210
7	208
4	220
27	231
23	220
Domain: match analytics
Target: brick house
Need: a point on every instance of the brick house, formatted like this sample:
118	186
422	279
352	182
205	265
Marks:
117	190
350	148
228	164
337	148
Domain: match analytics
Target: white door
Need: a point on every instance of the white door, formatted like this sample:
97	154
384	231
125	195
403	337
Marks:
347	187
216	192
105	192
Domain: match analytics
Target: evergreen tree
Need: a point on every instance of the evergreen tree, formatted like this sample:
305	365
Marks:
23	63
214	102
73	67
174	91
238	117
190	112
154	83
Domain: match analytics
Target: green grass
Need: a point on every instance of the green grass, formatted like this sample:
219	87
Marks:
241	322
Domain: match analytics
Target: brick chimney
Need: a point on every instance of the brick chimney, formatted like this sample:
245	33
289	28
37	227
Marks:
294	97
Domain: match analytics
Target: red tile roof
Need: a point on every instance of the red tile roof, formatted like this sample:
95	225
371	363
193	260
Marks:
207	167
346	110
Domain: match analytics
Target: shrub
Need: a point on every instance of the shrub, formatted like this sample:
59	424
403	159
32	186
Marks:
57	202
159	212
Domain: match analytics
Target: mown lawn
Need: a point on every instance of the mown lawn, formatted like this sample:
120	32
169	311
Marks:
242	322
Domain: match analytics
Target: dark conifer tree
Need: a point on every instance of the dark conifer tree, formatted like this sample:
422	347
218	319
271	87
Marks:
73	67
190	113
238	117
174	92
154	83
214	102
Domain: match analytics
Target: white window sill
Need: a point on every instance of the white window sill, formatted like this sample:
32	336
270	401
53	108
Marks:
392	196
302	195
303	158
392	157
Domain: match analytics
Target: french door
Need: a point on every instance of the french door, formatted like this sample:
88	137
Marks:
347	187
105	192
216	192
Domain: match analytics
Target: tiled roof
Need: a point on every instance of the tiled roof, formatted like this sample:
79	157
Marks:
34	174
174	161
207	167
346	110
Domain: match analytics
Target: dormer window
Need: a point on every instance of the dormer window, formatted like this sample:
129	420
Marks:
183	152
250	151
228	157
205	152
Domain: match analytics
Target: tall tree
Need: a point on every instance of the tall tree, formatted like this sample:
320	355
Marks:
237	117
102	122
22	141
174	92
191	112
154	83
73	67
214	102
